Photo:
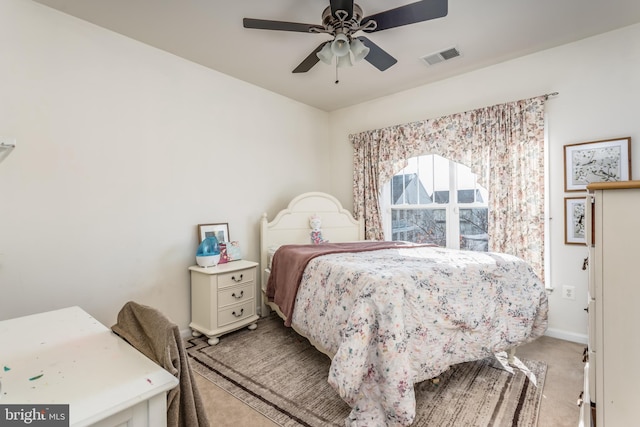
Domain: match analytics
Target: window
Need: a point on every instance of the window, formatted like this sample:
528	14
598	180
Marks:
435	200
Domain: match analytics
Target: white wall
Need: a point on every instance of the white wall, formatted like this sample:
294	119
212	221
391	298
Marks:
122	150
599	88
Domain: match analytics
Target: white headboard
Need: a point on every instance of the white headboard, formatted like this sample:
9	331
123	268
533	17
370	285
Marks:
291	225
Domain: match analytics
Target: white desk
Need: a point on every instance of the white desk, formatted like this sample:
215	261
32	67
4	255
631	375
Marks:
105	381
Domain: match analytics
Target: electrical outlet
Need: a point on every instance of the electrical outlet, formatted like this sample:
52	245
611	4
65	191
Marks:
569	292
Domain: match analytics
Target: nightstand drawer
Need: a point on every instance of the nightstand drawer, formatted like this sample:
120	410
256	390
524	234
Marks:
236	313
236	277
236	294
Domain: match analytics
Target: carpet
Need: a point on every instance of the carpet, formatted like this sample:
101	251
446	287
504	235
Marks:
279	374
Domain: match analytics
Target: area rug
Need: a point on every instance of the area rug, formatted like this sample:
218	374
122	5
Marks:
279	374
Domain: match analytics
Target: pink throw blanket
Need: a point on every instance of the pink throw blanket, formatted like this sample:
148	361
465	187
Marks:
289	263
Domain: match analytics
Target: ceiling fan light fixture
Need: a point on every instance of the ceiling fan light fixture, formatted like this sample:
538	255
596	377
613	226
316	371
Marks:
340	45
359	50
345	61
325	54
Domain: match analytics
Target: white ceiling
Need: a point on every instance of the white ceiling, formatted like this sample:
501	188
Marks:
210	32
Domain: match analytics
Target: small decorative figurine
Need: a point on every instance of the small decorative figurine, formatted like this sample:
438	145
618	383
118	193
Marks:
316	233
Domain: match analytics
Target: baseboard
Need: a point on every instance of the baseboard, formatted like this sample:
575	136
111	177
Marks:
567	336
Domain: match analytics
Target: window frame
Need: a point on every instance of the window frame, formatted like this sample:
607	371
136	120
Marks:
452	208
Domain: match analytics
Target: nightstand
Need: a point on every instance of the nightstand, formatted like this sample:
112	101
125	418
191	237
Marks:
223	299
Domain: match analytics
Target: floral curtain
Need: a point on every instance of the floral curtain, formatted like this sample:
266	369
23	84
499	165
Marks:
503	144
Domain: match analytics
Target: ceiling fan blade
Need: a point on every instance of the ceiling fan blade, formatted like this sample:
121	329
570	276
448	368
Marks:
409	14
346	5
377	56
263	24
309	61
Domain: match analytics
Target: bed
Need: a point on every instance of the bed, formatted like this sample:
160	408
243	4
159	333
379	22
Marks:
394	315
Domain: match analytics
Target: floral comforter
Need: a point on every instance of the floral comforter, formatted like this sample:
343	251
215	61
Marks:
395	317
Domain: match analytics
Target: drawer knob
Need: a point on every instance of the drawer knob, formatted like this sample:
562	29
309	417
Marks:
236	280
238	296
238	315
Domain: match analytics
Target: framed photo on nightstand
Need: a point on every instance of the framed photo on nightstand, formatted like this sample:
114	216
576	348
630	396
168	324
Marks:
219	230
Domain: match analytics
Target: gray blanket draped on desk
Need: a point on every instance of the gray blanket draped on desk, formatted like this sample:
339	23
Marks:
151	333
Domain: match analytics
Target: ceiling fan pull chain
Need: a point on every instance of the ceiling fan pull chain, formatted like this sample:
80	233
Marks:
337	81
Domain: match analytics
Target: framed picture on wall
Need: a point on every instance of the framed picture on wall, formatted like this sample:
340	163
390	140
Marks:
598	161
219	230
574	220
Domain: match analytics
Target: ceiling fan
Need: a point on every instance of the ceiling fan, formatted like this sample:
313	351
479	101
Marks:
342	20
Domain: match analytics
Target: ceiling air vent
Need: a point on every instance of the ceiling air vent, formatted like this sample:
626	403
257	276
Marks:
441	56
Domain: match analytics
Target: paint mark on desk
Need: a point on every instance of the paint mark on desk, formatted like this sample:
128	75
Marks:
7	369
37	377
149	381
